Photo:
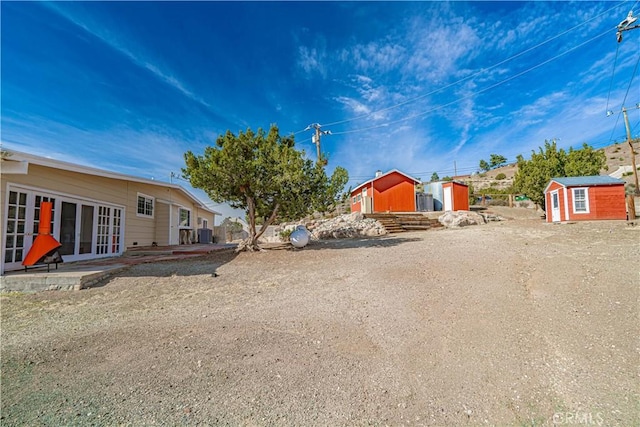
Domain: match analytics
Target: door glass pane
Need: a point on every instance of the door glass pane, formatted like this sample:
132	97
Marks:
86	230
104	216
68	228
14	239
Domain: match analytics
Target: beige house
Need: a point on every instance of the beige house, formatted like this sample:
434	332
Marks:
96	213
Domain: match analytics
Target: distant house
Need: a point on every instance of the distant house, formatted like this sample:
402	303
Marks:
96	213
455	196
585	198
393	191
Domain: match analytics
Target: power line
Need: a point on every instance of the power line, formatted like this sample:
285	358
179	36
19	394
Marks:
470	76
615	62
477	92
474	168
635	69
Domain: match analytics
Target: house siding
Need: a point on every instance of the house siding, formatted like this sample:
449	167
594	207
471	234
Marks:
606	202
162	223
357	206
459	195
119	193
394	193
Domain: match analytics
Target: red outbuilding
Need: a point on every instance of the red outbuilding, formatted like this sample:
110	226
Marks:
584	198
393	191
455	196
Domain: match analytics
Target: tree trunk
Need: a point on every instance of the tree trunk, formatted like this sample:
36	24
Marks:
251	243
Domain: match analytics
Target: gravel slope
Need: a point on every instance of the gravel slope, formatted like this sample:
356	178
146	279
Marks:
510	323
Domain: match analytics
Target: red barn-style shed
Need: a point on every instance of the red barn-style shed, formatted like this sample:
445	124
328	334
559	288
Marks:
455	196
393	191
585	198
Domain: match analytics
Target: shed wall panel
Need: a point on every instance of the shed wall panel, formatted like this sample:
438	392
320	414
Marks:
394	193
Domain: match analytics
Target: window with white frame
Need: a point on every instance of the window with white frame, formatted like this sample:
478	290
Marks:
145	205
580	200
185	217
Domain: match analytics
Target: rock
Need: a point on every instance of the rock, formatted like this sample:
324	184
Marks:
341	227
461	219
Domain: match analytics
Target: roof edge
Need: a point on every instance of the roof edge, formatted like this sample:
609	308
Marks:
73	167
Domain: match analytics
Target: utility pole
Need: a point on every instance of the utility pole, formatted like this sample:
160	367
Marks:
633	154
316	140
626	25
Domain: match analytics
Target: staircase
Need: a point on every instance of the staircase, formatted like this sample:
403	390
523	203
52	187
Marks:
400	222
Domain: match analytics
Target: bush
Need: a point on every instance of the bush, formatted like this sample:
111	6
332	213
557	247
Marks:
501	176
285	235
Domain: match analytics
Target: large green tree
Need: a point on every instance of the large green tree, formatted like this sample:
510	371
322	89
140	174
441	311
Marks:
585	161
533	175
263	174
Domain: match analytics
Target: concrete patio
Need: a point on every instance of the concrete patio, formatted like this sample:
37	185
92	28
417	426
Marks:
83	274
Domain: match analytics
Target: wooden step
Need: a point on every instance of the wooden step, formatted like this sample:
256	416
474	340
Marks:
397	223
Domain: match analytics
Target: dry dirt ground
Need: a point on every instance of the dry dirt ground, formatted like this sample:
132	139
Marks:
510	323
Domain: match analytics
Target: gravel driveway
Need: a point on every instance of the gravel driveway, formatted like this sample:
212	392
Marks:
510	323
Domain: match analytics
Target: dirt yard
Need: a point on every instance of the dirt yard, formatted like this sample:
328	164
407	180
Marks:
510	323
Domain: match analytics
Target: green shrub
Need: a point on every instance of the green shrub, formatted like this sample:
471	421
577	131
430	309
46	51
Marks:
285	235
501	176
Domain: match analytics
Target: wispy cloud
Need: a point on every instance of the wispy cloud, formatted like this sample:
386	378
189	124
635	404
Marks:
110	39
312	60
380	56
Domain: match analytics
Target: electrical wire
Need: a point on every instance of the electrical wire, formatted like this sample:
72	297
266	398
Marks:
473	94
635	69
615	62
468	77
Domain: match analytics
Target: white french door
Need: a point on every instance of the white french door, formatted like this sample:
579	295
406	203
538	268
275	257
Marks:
85	229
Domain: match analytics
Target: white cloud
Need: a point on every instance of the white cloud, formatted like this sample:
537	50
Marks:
354	106
381	56
312	60
115	42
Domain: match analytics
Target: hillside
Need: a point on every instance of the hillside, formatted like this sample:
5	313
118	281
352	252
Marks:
617	155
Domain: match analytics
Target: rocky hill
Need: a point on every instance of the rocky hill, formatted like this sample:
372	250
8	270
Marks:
617	156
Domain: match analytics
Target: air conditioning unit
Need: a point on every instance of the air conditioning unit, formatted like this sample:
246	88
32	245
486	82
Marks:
205	235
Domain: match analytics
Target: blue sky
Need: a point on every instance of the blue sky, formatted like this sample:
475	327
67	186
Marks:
415	86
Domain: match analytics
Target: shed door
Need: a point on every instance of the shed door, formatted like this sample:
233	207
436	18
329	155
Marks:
448	199
555	206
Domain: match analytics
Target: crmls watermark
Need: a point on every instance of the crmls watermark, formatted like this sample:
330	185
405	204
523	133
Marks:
578	418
